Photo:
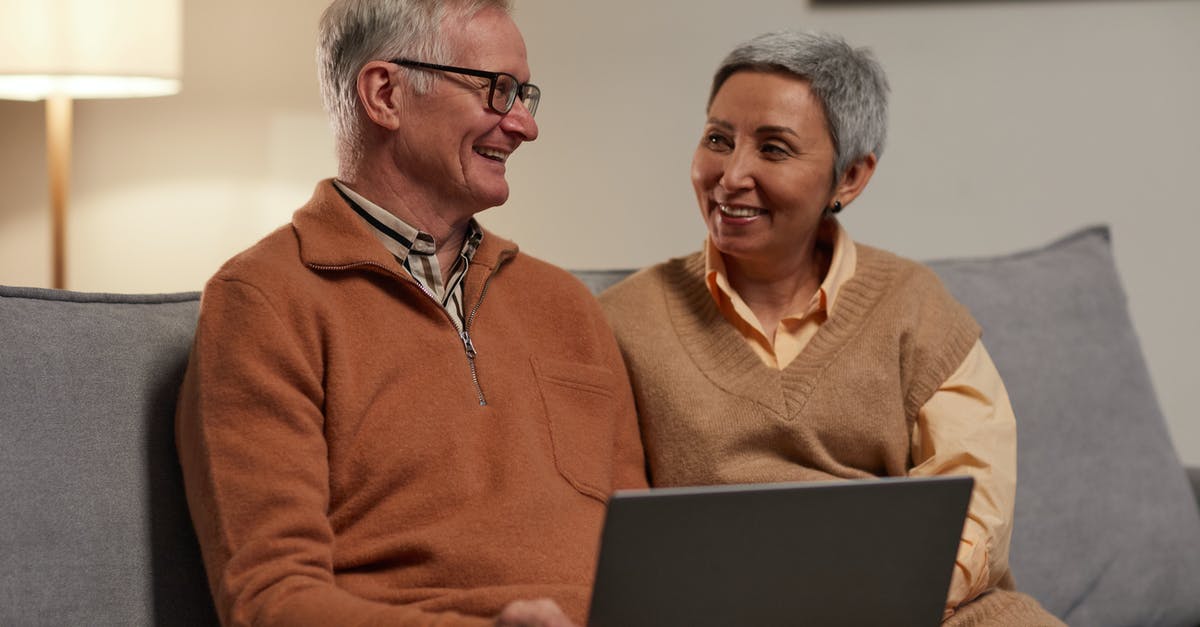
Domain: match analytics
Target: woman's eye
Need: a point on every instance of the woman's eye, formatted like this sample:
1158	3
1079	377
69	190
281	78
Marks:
716	141
774	150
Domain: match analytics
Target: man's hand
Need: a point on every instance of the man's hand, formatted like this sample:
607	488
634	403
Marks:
535	613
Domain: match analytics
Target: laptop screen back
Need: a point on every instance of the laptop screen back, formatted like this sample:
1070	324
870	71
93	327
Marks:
864	552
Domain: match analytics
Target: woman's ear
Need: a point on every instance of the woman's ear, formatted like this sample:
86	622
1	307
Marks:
854	179
379	92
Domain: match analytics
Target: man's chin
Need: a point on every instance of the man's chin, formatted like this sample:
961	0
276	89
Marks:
489	198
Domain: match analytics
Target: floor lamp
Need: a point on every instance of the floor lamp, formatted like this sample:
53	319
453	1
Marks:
62	50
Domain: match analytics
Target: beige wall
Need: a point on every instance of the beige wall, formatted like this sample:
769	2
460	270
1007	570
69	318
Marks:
1013	122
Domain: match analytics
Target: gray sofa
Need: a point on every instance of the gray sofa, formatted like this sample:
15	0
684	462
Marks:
94	529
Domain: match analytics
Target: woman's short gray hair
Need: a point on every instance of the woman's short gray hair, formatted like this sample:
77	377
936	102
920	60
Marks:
355	32
849	82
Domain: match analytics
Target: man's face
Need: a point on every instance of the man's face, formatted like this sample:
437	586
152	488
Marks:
452	144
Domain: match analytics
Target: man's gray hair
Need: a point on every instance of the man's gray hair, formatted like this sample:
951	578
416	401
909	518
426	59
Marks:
849	82
355	32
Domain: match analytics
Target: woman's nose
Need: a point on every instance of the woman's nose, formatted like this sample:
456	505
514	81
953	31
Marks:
738	172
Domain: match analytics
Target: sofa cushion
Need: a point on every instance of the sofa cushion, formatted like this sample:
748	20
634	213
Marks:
1107	531
94	525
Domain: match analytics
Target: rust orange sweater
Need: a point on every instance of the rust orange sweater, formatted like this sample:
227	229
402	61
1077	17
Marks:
339	465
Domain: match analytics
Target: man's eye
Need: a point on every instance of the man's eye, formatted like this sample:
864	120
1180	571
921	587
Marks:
505	84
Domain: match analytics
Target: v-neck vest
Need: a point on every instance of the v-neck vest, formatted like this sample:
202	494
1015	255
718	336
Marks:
712	412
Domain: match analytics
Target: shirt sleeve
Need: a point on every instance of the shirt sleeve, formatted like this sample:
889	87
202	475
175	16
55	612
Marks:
967	428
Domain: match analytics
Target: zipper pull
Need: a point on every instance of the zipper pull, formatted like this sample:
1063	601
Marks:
468	344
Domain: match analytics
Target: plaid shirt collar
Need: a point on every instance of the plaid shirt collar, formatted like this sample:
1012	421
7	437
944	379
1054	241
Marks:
415	249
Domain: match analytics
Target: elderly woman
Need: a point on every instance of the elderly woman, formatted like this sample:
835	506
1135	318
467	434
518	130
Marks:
785	351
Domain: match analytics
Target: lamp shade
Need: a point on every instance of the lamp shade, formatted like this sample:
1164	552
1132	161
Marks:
89	48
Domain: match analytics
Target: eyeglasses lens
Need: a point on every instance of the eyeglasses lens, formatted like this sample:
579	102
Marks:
530	97
506	92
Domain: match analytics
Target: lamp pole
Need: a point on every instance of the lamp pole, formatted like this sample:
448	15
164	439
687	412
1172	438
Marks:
58	158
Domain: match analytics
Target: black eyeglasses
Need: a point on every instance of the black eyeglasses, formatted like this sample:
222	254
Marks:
503	91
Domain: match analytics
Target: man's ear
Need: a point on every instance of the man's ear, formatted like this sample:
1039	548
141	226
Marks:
380	93
854	179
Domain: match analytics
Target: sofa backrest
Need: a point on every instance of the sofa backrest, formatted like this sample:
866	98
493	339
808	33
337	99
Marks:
94	528
1107	531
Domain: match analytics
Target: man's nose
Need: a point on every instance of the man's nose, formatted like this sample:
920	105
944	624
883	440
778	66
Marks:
518	120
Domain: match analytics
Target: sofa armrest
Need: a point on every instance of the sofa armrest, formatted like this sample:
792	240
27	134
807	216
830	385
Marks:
1193	473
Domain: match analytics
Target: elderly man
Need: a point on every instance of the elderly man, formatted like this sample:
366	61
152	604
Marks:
392	416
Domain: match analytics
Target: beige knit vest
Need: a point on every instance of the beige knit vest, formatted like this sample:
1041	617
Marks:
711	412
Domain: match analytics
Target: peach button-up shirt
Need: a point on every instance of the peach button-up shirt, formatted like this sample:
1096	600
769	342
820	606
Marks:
966	428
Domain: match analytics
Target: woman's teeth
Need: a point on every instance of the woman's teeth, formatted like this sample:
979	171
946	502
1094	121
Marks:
738	212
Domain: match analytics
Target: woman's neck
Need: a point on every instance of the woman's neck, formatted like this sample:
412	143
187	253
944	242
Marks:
777	288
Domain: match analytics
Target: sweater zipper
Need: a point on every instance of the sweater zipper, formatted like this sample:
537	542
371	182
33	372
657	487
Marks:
464	334
469	345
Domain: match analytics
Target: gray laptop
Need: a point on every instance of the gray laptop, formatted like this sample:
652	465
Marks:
865	552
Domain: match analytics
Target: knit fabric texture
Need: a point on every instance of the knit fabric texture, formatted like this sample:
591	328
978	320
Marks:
712	412
347	461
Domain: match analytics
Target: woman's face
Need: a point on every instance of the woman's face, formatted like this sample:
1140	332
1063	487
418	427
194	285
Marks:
763	172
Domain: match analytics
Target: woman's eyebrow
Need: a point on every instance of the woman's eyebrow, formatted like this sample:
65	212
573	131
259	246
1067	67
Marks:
769	129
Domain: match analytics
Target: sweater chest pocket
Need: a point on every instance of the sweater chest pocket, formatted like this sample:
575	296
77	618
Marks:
580	403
